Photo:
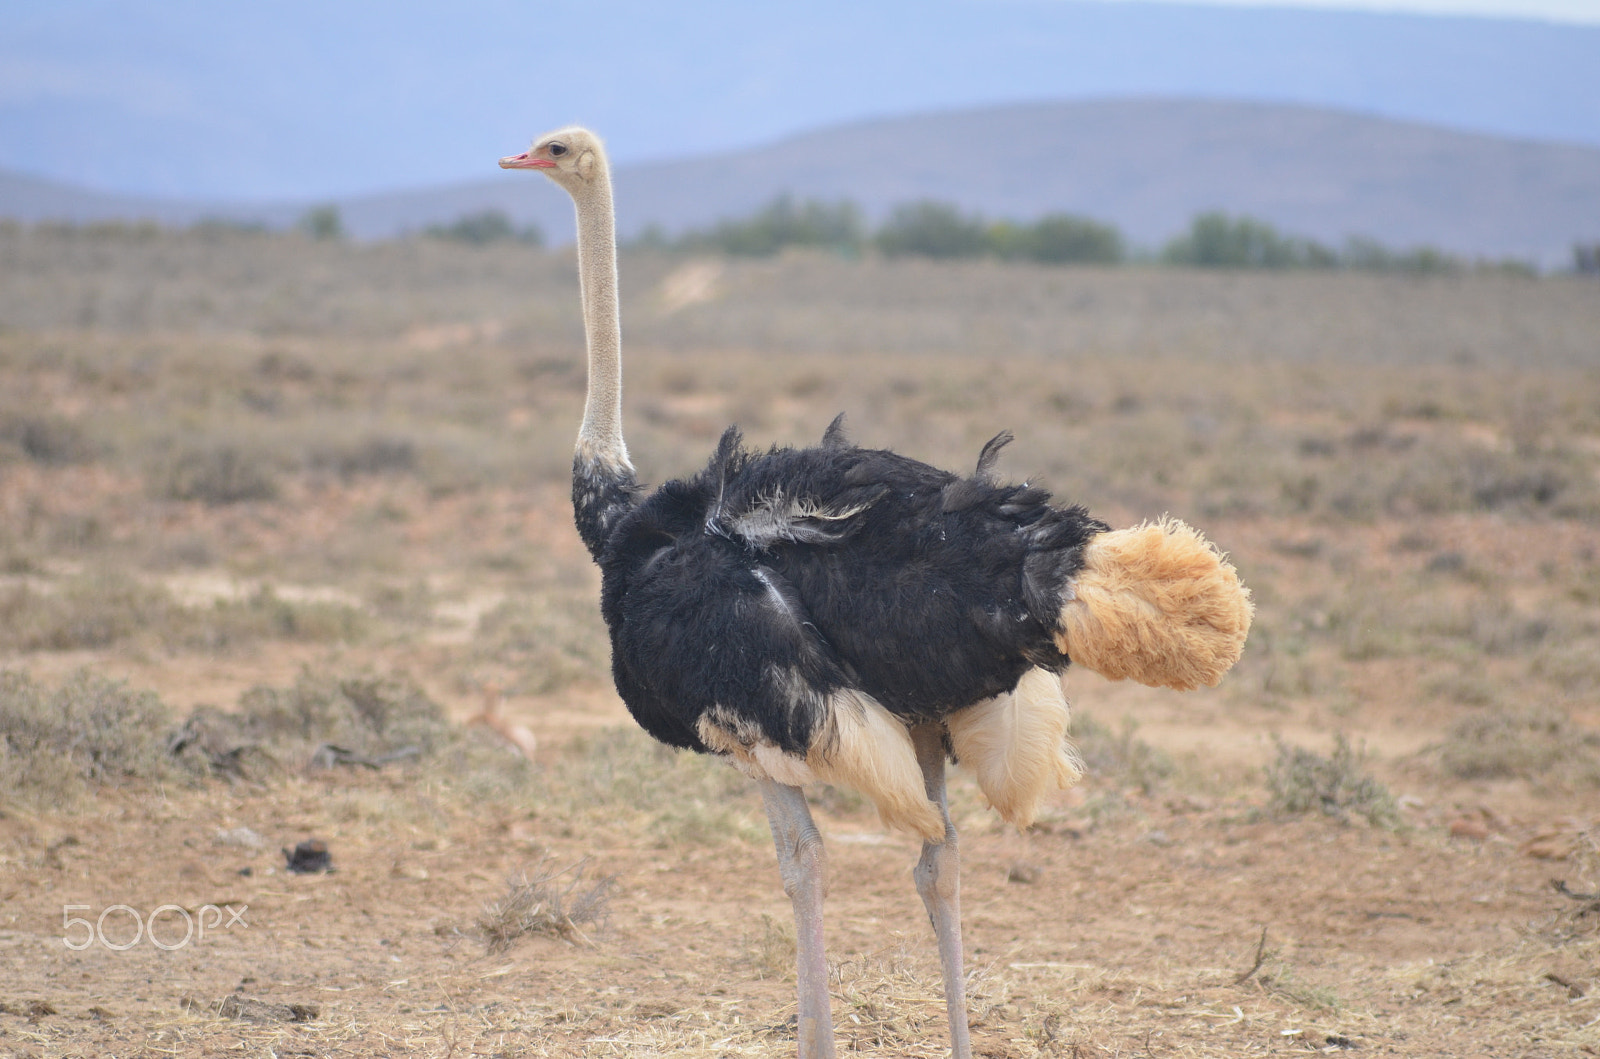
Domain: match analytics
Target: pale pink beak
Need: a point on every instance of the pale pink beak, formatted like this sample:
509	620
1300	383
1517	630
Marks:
525	160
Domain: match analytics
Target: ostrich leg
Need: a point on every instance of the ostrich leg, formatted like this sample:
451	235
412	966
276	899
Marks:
801	861
938	876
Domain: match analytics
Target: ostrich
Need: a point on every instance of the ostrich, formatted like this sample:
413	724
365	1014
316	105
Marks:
852	616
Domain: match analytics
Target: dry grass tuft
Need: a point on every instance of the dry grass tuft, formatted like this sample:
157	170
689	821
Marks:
772	949
549	638
1301	781
892	999
1120	756
42	437
547	901
223	473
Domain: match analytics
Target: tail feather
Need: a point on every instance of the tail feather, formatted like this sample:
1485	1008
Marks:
1157	603
1016	745
861	746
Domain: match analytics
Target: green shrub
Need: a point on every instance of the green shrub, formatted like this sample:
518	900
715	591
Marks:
1059	239
1370	255
322	223
1586	259
485	227
782	223
933	229
1218	240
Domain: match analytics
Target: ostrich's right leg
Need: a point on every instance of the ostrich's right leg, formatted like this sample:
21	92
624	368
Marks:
938	876
801	861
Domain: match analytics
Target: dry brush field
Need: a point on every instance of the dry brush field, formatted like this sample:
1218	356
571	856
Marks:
278	518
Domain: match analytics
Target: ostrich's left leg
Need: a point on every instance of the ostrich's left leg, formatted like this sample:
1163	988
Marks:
802	863
938	876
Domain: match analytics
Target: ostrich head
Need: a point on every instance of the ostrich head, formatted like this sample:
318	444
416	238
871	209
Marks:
571	157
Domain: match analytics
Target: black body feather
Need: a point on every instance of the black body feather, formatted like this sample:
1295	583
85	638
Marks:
769	581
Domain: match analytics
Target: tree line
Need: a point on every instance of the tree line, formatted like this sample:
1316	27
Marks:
916	229
942	230
1214	239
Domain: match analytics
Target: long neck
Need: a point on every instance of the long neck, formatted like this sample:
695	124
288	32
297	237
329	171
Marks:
603	485
600	437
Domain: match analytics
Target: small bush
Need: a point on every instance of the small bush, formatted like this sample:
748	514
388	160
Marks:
99	609
1574	667
375	454
1540	743
368	716
325	721
552	638
219	474
1301	781
88	732
43	437
264	615
90	611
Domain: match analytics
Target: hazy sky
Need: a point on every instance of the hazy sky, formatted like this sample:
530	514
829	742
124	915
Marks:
292	99
1554	10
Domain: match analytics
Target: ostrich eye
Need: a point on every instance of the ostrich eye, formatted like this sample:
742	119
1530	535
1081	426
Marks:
557	150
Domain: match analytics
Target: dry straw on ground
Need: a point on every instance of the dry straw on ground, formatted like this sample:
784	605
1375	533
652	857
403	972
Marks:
547	900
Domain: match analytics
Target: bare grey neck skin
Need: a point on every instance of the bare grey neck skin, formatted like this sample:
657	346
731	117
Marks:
600	438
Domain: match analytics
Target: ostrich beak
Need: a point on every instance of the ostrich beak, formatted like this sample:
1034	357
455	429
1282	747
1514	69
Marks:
525	160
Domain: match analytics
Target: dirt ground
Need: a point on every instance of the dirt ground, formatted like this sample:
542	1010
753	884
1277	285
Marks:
1176	921
1135	938
1422	539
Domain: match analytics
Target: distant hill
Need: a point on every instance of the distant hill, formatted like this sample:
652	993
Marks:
1147	165
299	99
31	199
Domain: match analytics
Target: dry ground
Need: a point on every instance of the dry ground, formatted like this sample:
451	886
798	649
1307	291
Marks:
234	462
